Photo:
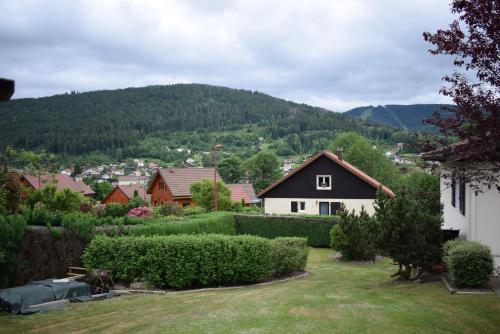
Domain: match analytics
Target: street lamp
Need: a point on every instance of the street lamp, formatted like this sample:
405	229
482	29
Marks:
217	148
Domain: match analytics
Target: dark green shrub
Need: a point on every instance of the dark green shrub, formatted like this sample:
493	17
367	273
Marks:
469	263
216	223
169	209
135	202
355	236
11	236
288	255
80	224
193	210
182	261
115	210
316	230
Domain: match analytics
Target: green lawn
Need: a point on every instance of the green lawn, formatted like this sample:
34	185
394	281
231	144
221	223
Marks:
334	298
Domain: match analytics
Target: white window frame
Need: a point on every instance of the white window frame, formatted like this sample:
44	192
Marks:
318	187
299	205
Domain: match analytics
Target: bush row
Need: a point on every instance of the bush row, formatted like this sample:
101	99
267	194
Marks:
317	231
469	263
182	261
216	223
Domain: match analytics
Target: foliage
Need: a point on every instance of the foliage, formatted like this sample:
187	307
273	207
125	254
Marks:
355	236
192	115
140	212
56	200
183	261
288	255
115	210
472	39
80	224
168	209
263	169
101	189
136	202
424	188
11	236
193	210
203	195
409	234
231	169
469	263
317	231
359	152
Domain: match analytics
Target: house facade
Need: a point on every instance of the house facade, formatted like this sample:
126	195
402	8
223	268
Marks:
475	216
320	186
172	185
127	180
122	194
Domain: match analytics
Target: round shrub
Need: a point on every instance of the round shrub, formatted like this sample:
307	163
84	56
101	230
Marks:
469	263
182	261
140	212
115	210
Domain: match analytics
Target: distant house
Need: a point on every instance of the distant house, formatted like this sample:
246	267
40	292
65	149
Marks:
123	193
126	180
475	216
173	184
61	181
243	193
320	185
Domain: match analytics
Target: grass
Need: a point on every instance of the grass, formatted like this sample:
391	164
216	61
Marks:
335	298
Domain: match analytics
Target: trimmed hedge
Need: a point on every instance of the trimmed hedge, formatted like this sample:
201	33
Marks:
469	263
316	230
182	261
216	223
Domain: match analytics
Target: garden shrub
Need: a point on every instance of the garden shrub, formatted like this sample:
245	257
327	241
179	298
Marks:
316	230
193	210
217	223
140	212
11	236
136	202
469	263
288	255
168	209
355	236
182	261
115	210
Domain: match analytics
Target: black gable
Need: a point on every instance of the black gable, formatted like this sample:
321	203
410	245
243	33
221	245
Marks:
302	184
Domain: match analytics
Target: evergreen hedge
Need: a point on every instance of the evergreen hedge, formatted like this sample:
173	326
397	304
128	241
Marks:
316	230
182	261
469	263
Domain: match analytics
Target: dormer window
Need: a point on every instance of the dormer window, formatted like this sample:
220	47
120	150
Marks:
323	182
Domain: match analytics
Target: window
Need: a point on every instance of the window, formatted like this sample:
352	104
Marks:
323	182
185	204
334	208
294	206
453	189
461	195
302	206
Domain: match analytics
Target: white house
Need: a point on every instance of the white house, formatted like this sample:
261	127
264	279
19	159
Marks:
477	217
320	185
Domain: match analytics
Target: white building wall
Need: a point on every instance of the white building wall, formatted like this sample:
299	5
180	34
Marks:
482	216
283	205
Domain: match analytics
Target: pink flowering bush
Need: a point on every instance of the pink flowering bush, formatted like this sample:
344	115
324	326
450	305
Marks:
140	212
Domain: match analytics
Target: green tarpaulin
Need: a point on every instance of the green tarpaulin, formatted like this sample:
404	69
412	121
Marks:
19	299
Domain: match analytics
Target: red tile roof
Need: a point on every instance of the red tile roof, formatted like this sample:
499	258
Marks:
129	191
242	191
62	182
365	177
179	180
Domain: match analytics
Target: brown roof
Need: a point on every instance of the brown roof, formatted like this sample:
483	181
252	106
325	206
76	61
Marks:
242	191
129	191
62	182
179	180
365	177
132	178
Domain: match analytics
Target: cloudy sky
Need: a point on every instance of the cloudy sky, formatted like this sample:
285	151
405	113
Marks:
336	54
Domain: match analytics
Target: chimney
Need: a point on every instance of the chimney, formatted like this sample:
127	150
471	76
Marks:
340	153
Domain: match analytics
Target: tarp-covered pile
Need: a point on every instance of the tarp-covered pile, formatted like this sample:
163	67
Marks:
19	299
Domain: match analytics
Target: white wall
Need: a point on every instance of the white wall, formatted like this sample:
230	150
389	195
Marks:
283	206
482	216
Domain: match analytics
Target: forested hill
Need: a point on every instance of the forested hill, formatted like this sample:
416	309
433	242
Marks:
402	116
105	121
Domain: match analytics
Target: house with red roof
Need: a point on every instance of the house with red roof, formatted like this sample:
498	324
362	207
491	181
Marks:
172	185
123	193
320	186
61	181
243	193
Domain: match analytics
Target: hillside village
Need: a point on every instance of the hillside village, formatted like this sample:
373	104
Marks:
133	199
